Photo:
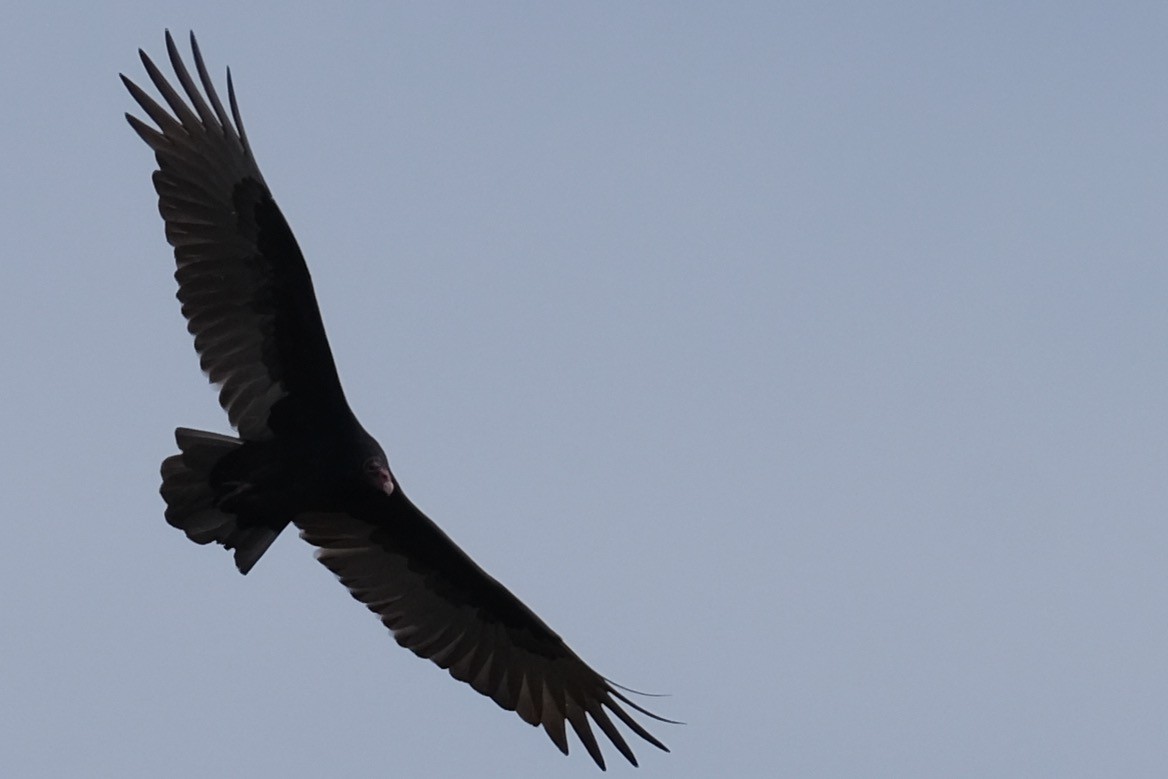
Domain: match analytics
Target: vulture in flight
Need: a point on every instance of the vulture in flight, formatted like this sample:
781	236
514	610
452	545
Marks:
302	457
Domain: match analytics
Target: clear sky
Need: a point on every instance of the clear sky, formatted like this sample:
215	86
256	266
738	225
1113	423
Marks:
805	361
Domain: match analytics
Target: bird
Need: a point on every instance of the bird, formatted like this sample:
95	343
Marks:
301	457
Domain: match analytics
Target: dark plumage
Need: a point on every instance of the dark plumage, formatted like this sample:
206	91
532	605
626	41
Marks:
301	456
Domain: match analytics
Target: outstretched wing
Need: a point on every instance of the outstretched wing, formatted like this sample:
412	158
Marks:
243	284
442	606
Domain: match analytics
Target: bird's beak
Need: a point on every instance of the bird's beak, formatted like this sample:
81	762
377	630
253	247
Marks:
385	478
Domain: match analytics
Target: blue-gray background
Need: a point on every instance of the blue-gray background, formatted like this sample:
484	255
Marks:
805	361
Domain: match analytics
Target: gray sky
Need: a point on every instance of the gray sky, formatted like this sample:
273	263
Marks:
806	362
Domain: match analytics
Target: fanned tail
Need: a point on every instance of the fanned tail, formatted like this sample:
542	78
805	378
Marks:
204	498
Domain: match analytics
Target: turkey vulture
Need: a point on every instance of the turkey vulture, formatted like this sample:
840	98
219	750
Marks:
301	456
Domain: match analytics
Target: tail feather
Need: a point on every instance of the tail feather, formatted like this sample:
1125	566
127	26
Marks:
198	492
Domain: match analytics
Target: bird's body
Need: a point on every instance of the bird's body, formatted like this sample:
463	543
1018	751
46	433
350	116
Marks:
302	457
